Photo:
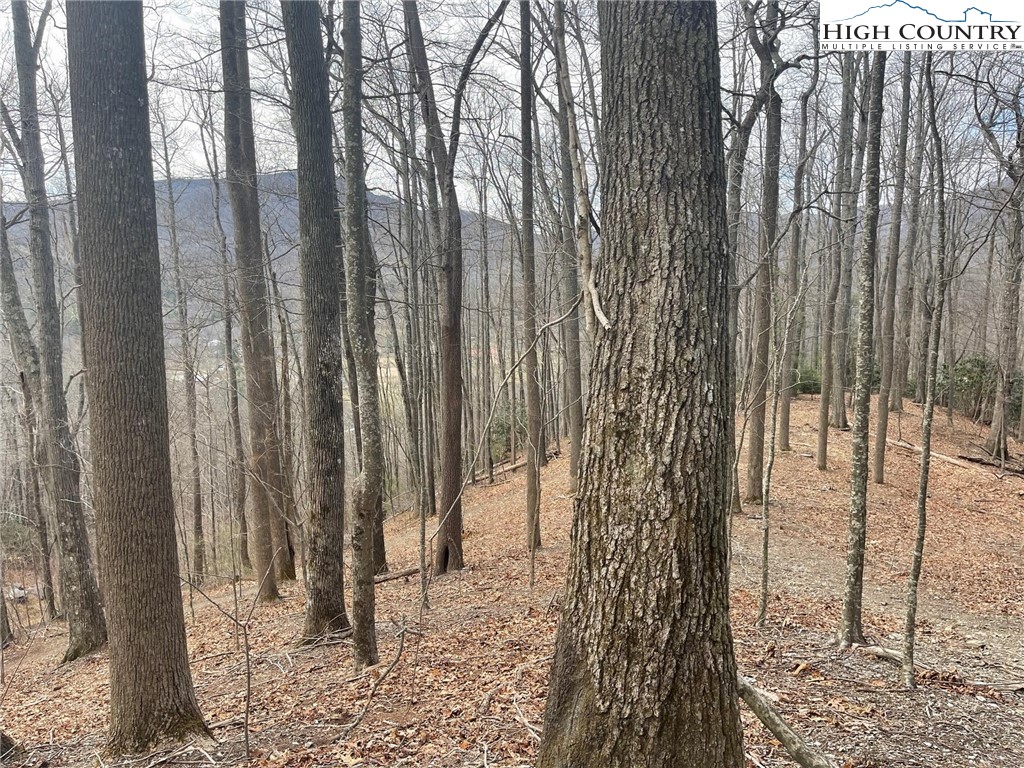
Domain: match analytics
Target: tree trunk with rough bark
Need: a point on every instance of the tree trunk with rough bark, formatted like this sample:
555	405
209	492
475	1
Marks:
80	594
941	285
360	283
891	272
643	672
268	544
320	274
764	288
850	630
151	693
534	448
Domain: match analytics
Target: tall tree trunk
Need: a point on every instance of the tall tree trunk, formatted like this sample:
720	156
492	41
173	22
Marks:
534	448
829	333
929	402
448	551
797	242
151	693
80	594
901	352
655	467
320	269
236	463
850	630
188	368
359	278
764	289
891	272
569	261
267	535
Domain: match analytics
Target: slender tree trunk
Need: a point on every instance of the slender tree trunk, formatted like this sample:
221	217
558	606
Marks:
797	241
995	444
570	270
829	334
850	630
320	270
448	554
534	448
267	540
627	654
151	693
901	356
764	289
188	368
891	272
358	272
929	402
80	593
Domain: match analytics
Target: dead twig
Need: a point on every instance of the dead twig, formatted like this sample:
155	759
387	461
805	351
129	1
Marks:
373	689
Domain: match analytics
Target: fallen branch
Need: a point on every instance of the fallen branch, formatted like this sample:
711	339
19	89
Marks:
938	456
530	729
797	748
885	654
395	576
1004	686
373	690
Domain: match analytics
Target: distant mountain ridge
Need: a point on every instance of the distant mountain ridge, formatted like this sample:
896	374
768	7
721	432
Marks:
912	7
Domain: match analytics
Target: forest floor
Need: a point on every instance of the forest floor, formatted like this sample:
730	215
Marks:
468	687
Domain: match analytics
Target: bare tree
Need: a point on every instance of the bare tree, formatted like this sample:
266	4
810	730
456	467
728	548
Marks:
320	267
151	693
448	552
941	286
80	594
850	630
534	448
360	293
267	535
656	461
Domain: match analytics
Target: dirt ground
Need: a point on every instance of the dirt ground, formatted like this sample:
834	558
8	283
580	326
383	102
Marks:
468	687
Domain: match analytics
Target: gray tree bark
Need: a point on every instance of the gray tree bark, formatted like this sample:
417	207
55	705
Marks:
361	294
267	534
80	594
850	629
151	693
941	285
534	447
891	273
320	271
643	672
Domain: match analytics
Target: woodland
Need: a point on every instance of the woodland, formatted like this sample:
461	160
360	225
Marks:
557	384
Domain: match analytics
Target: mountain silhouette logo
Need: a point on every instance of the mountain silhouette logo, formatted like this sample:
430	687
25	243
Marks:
971	14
